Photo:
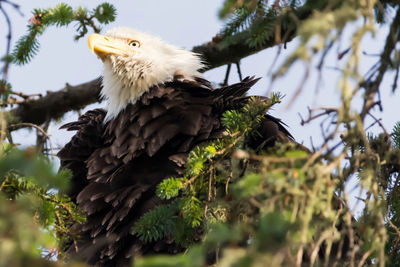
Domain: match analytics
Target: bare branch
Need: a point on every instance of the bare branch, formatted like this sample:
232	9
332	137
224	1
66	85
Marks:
372	87
37	127
55	104
228	70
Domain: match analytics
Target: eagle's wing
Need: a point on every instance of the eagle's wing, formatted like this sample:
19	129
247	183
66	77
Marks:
146	143
87	139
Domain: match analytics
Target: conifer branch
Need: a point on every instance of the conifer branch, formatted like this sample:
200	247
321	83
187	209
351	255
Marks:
61	15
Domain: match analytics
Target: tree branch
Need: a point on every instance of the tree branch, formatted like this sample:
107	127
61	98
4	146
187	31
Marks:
372	87
55	104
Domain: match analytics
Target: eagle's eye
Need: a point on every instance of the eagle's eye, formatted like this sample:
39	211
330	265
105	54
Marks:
134	44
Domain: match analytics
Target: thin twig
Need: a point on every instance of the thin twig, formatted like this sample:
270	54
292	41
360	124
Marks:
365	257
17	126
25	96
382	127
241	154
228	71
191	180
239	71
209	192
2	184
326	111
278	53
229	178
395	79
320	66
15	6
222	151
348	220
300	88
299	256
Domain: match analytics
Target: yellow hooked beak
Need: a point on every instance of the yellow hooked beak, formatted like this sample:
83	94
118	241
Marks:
102	45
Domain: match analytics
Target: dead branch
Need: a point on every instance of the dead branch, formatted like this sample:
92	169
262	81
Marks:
37	127
372	87
55	104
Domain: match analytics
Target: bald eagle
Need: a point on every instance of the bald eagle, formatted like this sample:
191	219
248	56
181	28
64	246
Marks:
158	108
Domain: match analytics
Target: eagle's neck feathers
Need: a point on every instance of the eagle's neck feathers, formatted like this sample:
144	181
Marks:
126	79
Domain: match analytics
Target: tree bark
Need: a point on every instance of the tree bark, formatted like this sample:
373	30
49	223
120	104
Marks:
55	104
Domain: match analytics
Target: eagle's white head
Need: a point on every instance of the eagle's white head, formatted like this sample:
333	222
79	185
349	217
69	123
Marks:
134	62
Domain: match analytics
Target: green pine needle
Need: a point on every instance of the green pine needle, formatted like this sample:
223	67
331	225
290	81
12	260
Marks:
105	13
396	134
61	15
27	47
192	211
169	188
157	223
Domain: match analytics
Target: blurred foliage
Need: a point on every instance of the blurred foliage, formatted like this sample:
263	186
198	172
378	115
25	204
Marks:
281	209
35	213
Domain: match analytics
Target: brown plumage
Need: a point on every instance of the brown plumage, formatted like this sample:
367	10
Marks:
117	165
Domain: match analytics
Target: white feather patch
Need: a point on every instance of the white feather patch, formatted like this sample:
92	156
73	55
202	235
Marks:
155	62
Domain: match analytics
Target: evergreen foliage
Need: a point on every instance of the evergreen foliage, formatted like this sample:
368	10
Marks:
393	220
258	21
396	135
157	223
61	15
169	188
41	214
198	186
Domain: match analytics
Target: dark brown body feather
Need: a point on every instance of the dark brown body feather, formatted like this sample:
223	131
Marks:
116	166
